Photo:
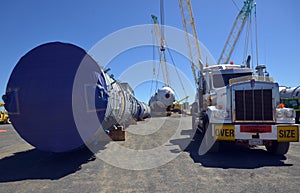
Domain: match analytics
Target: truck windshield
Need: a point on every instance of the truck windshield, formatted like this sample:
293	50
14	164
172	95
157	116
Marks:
220	80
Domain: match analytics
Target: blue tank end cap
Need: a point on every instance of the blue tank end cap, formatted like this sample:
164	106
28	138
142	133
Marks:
39	97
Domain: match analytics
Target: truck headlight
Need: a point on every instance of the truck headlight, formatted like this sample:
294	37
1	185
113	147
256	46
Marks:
285	113
289	113
279	113
221	114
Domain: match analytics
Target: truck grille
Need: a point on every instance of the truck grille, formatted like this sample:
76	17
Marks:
253	105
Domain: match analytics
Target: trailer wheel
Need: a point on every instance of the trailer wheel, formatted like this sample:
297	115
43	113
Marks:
278	148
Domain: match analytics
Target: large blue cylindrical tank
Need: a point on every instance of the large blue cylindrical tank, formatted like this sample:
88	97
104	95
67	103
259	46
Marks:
39	96
59	99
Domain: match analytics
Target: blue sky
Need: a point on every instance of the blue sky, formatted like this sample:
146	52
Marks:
27	24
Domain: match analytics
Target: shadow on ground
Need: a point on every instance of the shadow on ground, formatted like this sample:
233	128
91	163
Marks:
36	164
230	156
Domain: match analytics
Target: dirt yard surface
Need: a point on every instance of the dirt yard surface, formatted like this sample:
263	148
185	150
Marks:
160	154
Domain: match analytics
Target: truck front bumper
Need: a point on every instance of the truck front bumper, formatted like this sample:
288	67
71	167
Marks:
280	132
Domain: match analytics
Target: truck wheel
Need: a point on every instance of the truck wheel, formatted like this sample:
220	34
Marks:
194	125
211	142
278	148
208	144
297	118
193	122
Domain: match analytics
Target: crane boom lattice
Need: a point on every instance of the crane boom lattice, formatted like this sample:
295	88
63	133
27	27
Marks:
235	32
161	51
193	47
191	36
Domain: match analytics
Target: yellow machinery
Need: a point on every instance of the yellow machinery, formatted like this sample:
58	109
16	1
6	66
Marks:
177	107
3	115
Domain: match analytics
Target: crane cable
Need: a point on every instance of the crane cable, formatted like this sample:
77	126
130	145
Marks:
249	37
164	65
154	70
162	18
162	21
160	66
256	34
181	83
235	5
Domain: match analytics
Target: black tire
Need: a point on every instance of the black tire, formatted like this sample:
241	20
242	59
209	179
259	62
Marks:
195	126
193	122
297	117
215	147
210	141
278	148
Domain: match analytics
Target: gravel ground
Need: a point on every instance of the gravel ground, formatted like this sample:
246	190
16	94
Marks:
159	155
